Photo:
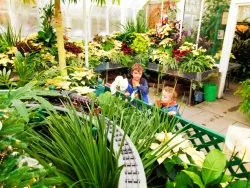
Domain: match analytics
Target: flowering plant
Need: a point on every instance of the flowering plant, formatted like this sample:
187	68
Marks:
79	80
192	60
181	147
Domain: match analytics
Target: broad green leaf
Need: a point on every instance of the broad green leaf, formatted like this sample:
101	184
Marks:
182	180
239	184
196	179
213	166
45	104
170	184
21	108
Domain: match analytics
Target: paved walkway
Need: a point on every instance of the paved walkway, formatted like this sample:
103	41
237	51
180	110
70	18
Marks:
218	115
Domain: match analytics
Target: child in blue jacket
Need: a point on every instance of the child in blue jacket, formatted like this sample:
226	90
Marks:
137	86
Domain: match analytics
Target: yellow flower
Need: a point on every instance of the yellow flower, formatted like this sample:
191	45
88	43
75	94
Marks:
82	90
12	50
59	82
4	61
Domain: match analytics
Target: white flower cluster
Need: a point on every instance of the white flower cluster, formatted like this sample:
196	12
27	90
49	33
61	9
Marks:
180	147
120	83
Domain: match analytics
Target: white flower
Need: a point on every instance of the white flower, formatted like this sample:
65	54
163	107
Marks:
154	146
119	83
166	155
1	125
160	136
184	158
31	162
15	153
197	156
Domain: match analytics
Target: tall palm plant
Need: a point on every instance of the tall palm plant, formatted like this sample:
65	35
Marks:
59	29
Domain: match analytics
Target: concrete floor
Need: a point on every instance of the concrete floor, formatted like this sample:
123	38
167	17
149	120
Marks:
218	115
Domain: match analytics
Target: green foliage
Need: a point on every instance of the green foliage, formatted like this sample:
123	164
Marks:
239	184
47	34
83	158
210	18
3	45
140	26
140	44
26	67
194	63
141	126
5	78
16	167
212	171
244	92
29	91
108	45
241	51
131	27
9	38
213	166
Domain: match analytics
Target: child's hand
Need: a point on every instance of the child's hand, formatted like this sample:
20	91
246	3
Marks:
172	113
127	94
135	83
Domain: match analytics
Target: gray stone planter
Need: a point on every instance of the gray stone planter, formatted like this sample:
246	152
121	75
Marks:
198	76
101	67
114	65
153	66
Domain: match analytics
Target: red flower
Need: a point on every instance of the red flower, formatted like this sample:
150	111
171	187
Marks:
126	49
178	54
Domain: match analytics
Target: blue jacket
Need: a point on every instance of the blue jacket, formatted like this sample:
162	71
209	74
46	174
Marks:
142	89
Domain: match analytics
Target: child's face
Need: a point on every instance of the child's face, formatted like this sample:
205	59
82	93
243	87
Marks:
166	95
136	75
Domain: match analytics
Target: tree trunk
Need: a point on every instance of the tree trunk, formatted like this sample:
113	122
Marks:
59	37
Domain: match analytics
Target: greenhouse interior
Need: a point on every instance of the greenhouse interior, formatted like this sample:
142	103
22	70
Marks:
125	93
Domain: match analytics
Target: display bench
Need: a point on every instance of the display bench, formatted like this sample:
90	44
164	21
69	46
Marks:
191	77
201	137
106	67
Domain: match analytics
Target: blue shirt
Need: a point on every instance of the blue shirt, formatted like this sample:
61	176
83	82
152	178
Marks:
142	89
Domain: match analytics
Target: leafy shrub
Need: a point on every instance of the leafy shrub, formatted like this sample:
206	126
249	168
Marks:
72	47
244	92
241	51
47	35
9	38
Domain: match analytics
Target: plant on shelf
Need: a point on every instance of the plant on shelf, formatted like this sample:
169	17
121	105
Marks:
79	80
244	92
191	60
140	43
9	38
240	50
47	35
